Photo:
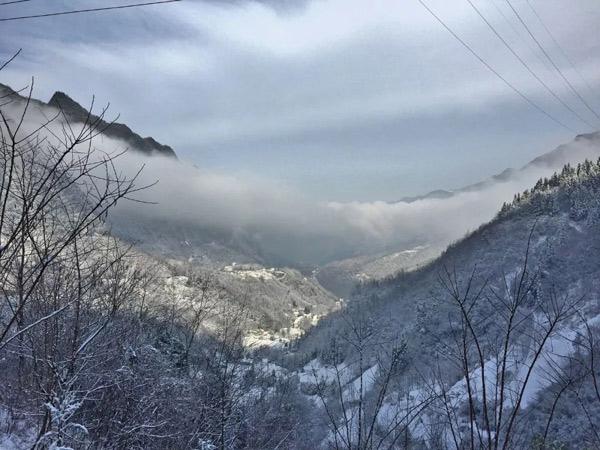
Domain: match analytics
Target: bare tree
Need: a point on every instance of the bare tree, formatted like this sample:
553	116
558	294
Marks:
576	376
55	187
357	394
61	282
193	302
499	338
223	378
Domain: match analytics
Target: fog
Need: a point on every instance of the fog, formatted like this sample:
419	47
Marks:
289	227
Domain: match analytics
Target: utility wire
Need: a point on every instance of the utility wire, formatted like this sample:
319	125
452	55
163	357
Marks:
13	2
524	63
552	61
9	60
491	69
560	48
519	34
79	11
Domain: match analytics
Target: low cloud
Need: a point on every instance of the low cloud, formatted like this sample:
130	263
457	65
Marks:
288	227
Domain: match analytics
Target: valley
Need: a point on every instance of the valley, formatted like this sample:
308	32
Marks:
341	236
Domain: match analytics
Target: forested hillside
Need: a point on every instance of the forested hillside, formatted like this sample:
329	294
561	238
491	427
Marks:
519	296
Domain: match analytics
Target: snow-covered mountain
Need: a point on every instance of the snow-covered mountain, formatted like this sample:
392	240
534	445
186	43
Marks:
541	254
177	238
282	302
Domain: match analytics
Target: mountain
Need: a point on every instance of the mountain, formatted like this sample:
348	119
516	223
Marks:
74	112
437	194
555	159
548	236
176	335
341	276
284	301
565	216
564	153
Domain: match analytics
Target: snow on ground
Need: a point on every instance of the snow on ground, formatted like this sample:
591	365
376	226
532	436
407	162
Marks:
18	436
401	411
178	286
12	442
575	226
556	348
404	408
246	272
352	391
315	371
260	338
268	368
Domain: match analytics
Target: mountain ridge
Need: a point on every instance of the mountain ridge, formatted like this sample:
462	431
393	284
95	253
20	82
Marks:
557	156
74	112
341	276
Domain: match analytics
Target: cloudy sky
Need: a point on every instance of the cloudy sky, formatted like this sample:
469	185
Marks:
338	99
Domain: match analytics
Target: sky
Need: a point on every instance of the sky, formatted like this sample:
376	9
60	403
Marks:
339	100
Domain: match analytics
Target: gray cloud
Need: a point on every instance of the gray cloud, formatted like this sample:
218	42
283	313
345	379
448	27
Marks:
240	86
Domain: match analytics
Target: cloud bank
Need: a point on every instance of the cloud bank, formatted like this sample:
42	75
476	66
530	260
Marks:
291	228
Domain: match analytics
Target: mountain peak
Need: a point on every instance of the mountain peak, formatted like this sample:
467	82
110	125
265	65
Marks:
69	106
77	113
595	135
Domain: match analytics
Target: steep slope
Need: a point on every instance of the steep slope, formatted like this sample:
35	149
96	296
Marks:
281	302
341	277
564	213
209	247
278	304
583	146
76	113
560	218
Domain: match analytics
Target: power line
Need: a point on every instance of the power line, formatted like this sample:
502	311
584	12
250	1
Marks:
524	63
79	11
9	60
560	48
491	69
13	1
552	61
519	34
